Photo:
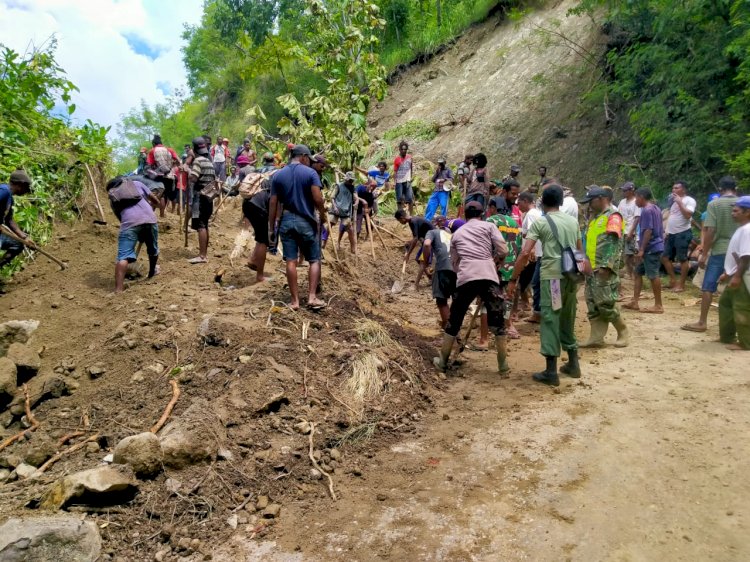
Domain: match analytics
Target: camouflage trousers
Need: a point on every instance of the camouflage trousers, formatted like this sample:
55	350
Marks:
601	297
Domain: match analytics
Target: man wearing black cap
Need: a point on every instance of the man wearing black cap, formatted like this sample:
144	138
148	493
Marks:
297	190
631	214
604	252
200	182
20	184
515	169
474	249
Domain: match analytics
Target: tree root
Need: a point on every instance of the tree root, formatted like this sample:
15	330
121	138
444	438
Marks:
29	416
68	436
61	454
317	466
169	408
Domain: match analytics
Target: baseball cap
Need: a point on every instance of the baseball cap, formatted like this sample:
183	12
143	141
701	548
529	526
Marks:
441	161
19	177
349	176
713	196
301	150
743	202
199	145
628	186
320	159
593	192
515	168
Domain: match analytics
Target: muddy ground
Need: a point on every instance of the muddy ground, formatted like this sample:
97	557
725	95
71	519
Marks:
641	459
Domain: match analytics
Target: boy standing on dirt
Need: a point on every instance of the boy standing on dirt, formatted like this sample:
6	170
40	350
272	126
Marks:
679	235
734	304
650	249
20	184
474	248
402	171
200	181
297	189
558	296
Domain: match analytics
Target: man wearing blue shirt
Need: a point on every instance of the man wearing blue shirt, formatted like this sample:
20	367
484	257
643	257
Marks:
20	184
295	196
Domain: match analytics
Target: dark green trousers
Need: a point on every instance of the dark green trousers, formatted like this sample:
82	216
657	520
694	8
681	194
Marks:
734	316
601	297
557	327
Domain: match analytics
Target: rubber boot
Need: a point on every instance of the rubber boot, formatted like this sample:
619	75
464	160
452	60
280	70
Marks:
549	375
501	345
623	334
598	331
572	368
441	362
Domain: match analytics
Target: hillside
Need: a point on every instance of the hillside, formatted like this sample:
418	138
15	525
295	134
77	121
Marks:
514	93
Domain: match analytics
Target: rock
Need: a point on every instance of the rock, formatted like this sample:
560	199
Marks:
224	454
315	474
381	497
68	364
130	342
273	404
39	539
92	447
26	359
138	376
303	427
272	511
10	461
39	451
156	368
142	452
192	438
184	544
24	470
245	359
104	485
4	474
173	485
8	381
96	371
335	454
16	331
232	521
262	503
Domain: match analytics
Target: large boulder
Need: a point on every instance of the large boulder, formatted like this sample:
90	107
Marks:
26	359
142	452
41	539
16	331
194	437
8	381
105	485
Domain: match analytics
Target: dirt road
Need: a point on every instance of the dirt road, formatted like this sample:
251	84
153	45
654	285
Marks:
641	460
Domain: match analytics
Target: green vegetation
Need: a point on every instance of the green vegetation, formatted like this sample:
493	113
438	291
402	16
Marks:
36	134
415	129
680	71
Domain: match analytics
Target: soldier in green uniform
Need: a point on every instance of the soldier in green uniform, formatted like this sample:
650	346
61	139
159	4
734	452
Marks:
604	246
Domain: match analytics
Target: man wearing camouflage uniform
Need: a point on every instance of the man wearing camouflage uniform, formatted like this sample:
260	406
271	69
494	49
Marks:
604	246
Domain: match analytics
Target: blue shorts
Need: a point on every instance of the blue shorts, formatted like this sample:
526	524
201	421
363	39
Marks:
404	192
298	235
128	240
714	269
650	266
676	246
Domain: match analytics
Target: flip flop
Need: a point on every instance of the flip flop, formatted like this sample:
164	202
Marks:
653	310
316	307
197	260
693	328
514	335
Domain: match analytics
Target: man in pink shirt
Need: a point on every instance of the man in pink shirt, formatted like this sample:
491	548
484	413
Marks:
476	248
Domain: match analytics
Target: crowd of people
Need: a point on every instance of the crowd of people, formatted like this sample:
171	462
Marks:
508	253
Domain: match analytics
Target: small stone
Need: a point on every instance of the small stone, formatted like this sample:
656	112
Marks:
315	474
184	544
303	427
233	521
335	454
25	470
446	417
96	371
156	368
130	342
142	452
224	454
467	396
195	544
173	485
138	376
39	451
272	511
262	503
243	519
27	361
245	359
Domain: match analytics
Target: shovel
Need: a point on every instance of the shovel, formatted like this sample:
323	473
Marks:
398	284
101	220
462	345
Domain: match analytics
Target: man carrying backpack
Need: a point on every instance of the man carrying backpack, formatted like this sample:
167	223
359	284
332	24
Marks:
558	232
343	205
160	161
133	204
200	186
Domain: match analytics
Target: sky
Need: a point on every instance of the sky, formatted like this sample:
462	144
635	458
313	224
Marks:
116	51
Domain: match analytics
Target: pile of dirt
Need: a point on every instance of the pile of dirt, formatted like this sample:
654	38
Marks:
261	387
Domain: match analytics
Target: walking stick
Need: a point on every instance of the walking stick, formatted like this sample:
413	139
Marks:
31	245
96	196
331	239
372	234
185	224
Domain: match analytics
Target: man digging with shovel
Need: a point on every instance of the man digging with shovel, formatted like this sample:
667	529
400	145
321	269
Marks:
474	251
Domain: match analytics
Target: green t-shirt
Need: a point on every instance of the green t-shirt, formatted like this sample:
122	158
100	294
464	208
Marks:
719	217
569	233
508	227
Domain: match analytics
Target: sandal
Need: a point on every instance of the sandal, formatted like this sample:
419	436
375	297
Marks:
693	328
513	334
316	306
198	260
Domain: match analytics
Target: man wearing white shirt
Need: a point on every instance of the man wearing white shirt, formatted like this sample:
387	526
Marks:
570	205
631	213
679	234
734	304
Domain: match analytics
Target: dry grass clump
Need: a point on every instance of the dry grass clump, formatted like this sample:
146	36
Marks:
366	383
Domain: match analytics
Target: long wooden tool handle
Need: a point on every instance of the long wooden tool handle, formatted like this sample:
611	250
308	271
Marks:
474	317
332	238
8	232
372	234
377	231
96	193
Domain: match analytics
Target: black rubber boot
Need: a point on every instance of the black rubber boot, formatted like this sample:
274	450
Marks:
572	368
549	375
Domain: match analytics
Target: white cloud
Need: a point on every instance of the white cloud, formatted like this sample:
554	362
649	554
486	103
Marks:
97	43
